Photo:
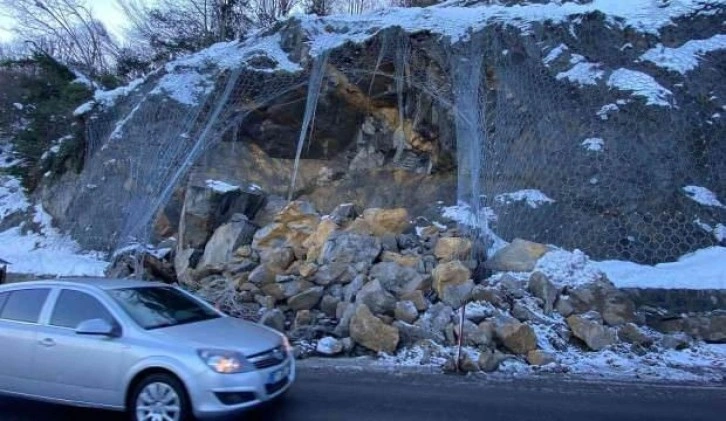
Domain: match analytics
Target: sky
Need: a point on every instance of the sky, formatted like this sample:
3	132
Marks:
106	10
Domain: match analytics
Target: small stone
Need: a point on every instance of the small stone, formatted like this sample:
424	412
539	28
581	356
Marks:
265	301
307	269
277	259
489	294
333	273
489	360
452	283
538	357
262	274
513	286
677	341
244	251
406	311
467	364
344	312
632	334
329	305
351	290
564	306
589	328
329	346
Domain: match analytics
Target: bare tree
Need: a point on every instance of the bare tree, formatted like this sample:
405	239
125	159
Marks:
266	12
64	29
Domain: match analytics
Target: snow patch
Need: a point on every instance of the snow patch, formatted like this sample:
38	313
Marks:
642	85
606	109
18	106
221	186
554	54
703	196
107	99
532	197
593	144
583	73
685	58
186	87
12	197
702	269
568	268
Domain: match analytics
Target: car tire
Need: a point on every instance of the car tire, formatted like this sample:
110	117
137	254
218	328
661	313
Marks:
165	392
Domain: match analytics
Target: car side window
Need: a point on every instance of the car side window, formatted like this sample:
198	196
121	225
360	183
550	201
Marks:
24	305
73	307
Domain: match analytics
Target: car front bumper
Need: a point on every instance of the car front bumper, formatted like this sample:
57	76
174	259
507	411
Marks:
218	395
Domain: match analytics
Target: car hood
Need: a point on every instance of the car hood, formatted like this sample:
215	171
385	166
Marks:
226	333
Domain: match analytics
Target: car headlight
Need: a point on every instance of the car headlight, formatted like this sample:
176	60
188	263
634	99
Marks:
224	362
286	344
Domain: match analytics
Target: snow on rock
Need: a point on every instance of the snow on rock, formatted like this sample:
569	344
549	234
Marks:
221	186
18	106
568	268
12	197
554	54
702	269
685	58
582	73
606	109
463	214
720	232
703	196
593	144
532	197
107	99
640	84
185	88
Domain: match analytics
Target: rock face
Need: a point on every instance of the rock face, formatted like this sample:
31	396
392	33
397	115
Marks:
517	337
452	283
519	256
348	247
370	332
589	328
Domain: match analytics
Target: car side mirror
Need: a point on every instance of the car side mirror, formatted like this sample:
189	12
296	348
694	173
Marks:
96	327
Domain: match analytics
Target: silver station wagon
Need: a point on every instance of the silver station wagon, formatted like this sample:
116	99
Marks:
148	348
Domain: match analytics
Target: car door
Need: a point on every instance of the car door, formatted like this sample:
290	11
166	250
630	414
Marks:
20	311
80	368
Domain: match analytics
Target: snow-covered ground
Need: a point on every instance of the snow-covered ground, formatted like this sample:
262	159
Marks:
45	252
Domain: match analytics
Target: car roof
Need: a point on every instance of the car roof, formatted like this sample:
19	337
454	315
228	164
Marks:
100	283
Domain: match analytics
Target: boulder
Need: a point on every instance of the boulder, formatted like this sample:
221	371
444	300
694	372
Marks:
306	300
411	334
397	279
344	313
386	221
343	213
452	248
489	360
589	328
307	269
564	306
206	207
329	305
477	311
277	258
376	298
406	261
541	287
453	284
265	301
489	294
603	297
370	332
333	273
435	319
303	318
417	298
538	357
314	243
484	334
518	256
513	286
329	346
406	311
468	364
515	336
350	290
226	239
262	274
283	290
632	334
348	247
677	341
275	319
297	221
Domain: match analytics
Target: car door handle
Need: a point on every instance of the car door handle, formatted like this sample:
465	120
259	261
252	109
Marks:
47	342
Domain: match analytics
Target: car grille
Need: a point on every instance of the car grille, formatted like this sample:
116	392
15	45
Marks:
273	388
269	358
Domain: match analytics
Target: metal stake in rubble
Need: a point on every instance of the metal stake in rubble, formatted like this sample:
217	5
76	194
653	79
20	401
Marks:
461	337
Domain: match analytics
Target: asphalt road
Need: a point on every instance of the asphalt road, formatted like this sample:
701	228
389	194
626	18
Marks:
328	394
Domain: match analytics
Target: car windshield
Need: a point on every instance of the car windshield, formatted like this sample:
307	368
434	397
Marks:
156	307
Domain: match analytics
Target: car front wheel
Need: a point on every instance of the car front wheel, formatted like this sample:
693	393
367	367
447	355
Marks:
159	397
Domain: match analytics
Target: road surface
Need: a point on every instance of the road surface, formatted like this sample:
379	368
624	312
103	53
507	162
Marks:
333	394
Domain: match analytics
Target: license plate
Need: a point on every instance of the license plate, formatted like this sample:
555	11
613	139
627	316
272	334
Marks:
279	374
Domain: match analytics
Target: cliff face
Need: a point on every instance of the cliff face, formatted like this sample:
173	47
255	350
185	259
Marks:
598	126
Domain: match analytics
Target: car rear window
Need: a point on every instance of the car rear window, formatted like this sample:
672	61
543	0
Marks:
24	305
